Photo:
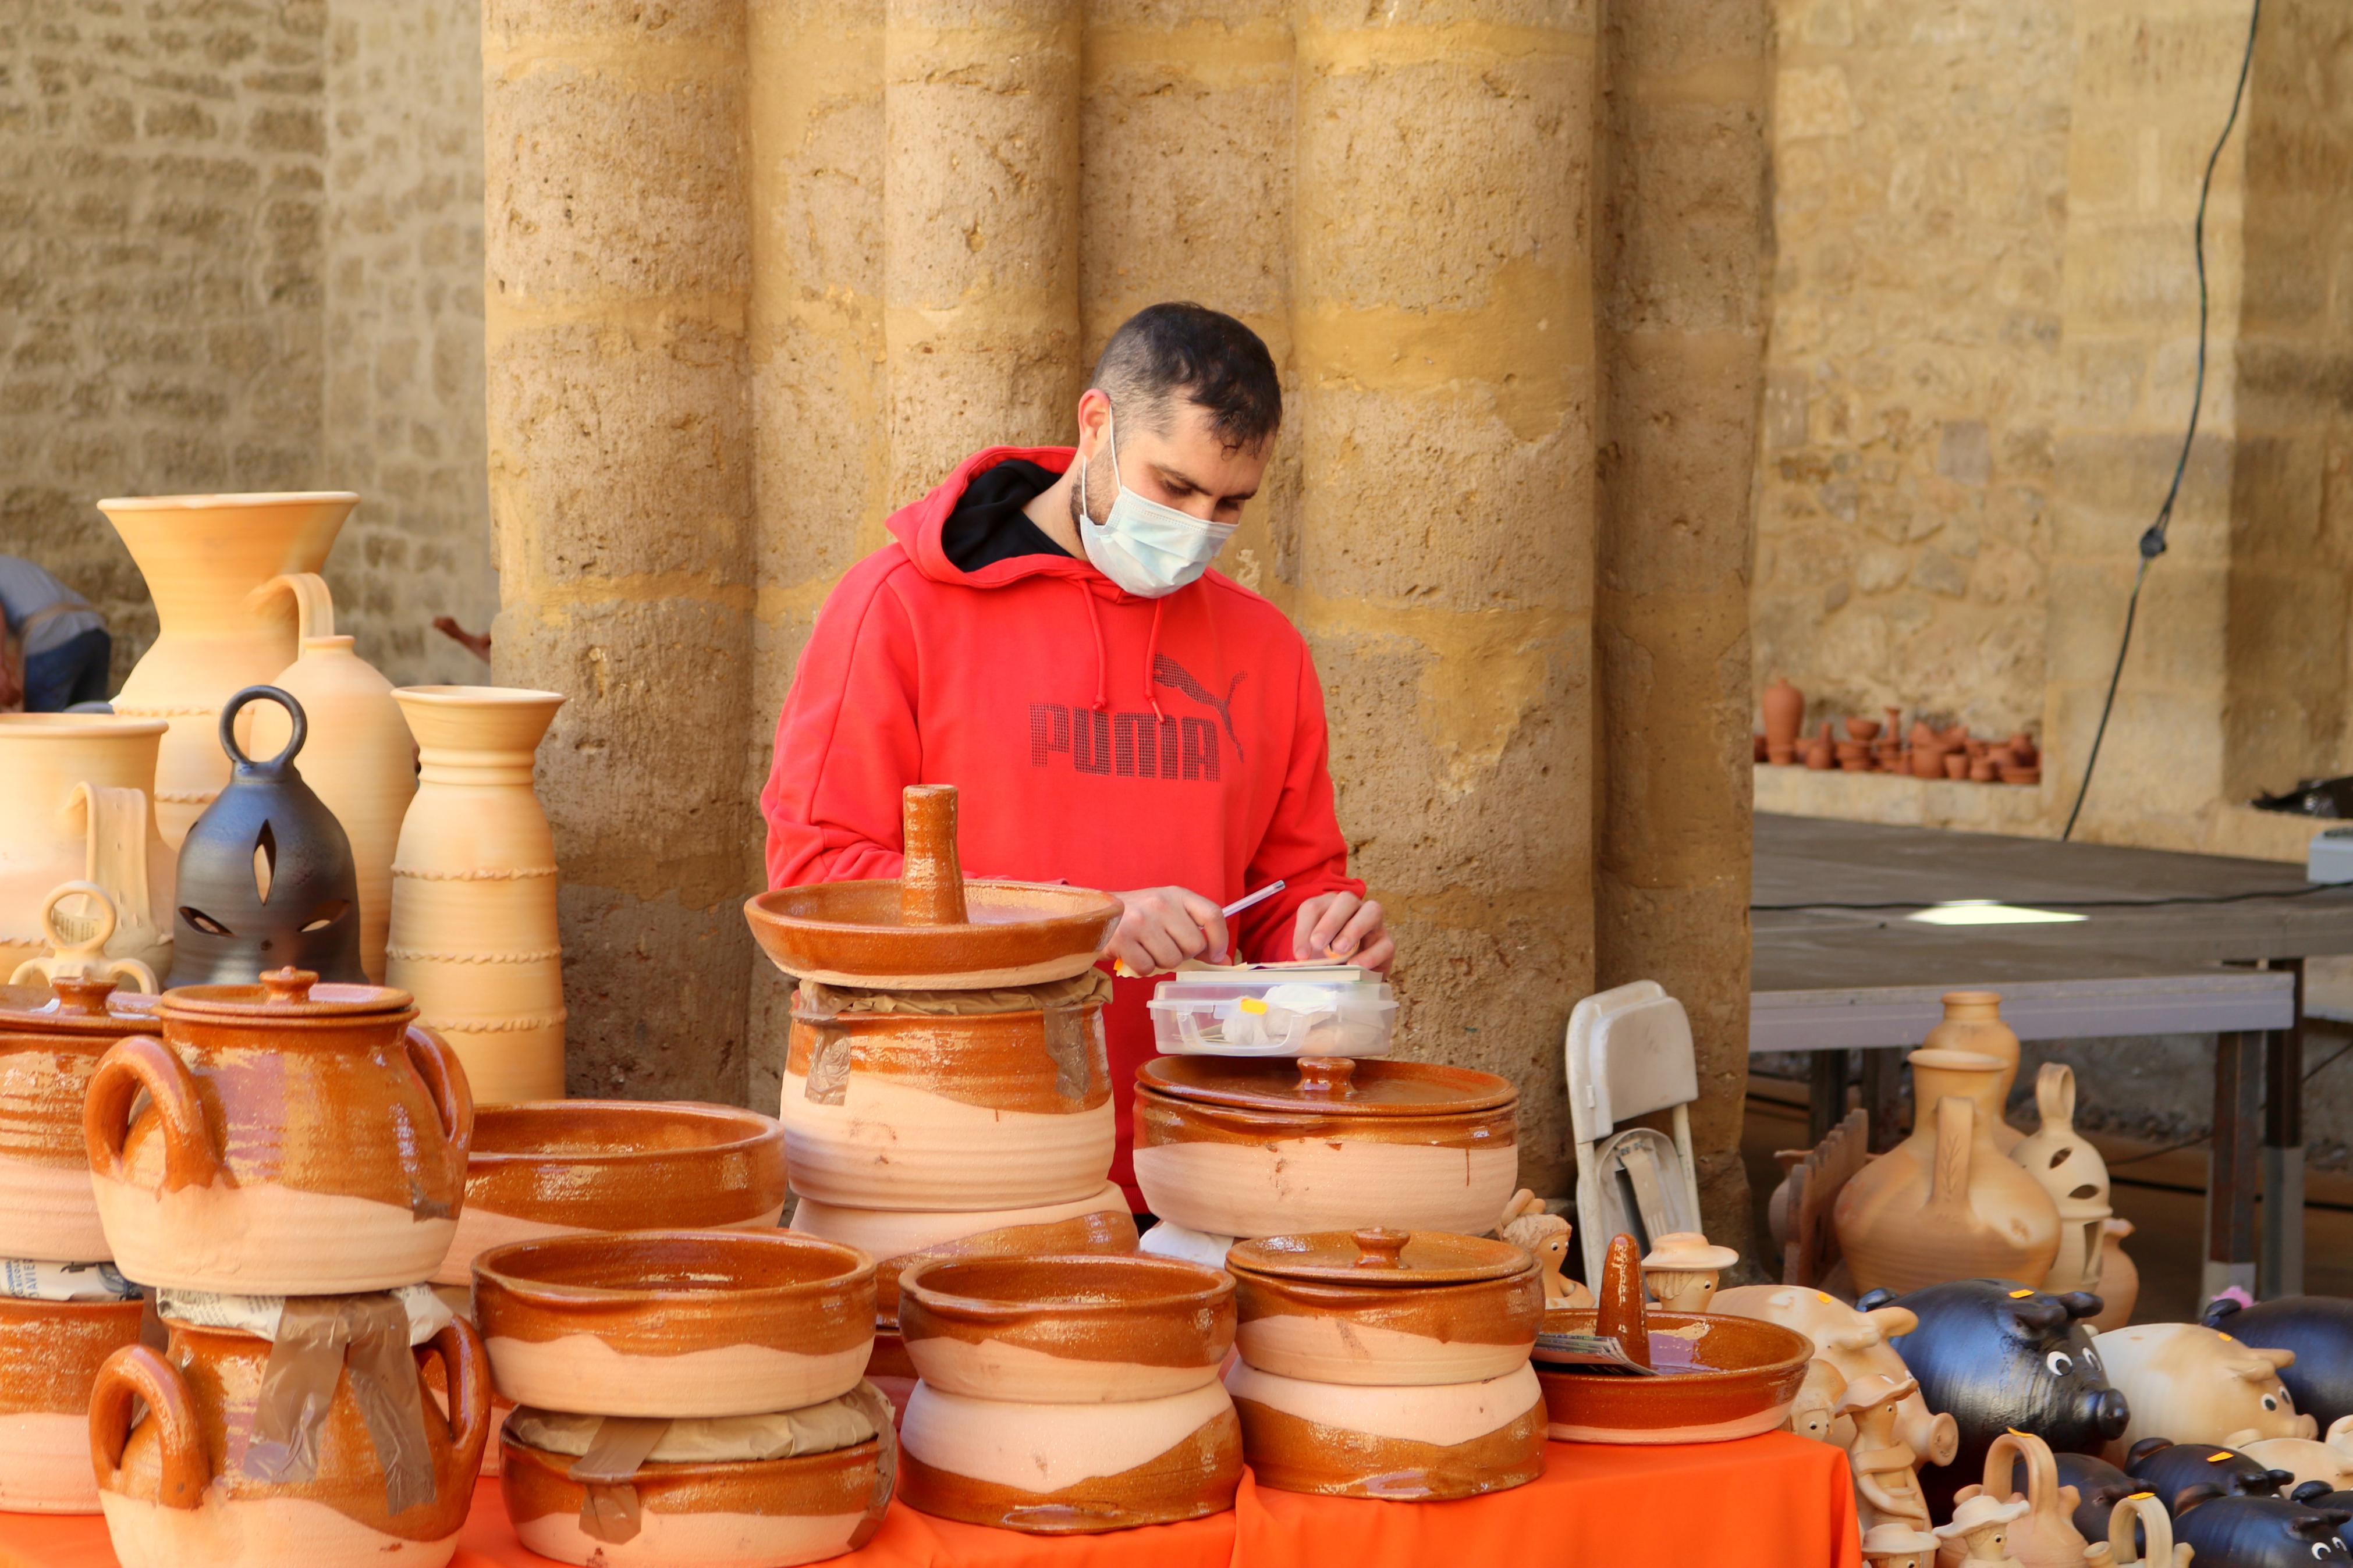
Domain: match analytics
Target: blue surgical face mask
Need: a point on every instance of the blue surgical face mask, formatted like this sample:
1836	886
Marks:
1149	549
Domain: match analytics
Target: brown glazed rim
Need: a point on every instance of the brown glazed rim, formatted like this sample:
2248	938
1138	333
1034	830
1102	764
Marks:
754	1127
1797	1350
1477	1092
772	907
1208	1287
507	1266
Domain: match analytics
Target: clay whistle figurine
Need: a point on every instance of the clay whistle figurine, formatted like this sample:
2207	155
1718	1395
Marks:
1982	1526
2194	1384
1527	1225
1682	1269
1814	1413
1899	1546
2329	1459
1886	1487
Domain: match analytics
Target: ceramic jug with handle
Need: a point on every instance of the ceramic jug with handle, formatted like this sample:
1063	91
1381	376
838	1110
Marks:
2046	1536
76	796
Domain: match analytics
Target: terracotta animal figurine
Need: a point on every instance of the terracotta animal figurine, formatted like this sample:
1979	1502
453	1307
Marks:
1996	1357
1899	1546
2044	1534
1983	1526
1682	1269
1886	1485
2318	1329
1857	1344
2312	1495
2098	1487
2329	1459
2169	1470
1527	1225
2194	1384
1814	1413
2261	1533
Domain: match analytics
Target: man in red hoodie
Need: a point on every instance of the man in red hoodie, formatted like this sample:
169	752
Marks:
1045	634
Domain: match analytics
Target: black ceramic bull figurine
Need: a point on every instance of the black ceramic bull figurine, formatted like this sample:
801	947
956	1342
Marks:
2169	1470
2258	1532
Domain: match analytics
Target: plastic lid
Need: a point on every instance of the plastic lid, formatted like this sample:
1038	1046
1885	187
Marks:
287	993
1381	1256
1335	1086
69	1005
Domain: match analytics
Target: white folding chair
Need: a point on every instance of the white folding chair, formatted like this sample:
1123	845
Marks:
1629	1054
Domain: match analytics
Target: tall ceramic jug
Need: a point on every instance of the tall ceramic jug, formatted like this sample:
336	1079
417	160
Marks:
2072	1173
1946	1203
360	760
473	934
204	558
76	805
1973	1023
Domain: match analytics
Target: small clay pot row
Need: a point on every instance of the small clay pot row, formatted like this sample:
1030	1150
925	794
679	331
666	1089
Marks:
1951	753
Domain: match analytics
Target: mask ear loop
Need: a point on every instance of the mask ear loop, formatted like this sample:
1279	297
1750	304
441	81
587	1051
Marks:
1110	428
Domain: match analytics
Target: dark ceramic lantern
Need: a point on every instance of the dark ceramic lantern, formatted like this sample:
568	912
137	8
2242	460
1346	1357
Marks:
266	878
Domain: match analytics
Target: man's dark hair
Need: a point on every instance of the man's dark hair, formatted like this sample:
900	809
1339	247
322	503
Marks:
1207	356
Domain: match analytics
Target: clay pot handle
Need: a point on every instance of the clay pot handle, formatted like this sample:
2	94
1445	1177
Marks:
445	1080
2054	1094
466	1370
134	1372
931	881
2041	1470
129	1065
72	961
1326	1075
2155	1522
1379	1248
299	733
315	606
1618	1306
1948	1181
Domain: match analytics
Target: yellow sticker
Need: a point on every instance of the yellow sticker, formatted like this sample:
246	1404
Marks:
2019	1295
1822	1297
2218	1458
1253	1005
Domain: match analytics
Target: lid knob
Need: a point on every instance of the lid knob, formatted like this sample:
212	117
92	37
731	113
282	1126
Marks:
289	986
82	995
1379	1248
1326	1075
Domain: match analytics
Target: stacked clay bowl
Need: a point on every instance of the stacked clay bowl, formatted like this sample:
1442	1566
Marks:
49	1355
1253	1147
1061	1395
51	1038
1380	1363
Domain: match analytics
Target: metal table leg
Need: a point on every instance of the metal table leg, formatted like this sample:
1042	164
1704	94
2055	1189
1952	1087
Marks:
2231	1170
2283	1152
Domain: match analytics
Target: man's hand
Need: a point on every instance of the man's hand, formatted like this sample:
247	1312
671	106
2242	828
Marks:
1345	928
1160	928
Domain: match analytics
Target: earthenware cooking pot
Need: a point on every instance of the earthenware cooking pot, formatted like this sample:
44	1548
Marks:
1386	1307
1415	1442
1250	1148
561	1166
895	1238
301	1140
51	1038
175	1485
1080	1330
675	1323
49	1355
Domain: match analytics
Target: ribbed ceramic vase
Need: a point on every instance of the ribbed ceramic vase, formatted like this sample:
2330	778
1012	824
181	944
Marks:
360	760
76	807
473	933
206	559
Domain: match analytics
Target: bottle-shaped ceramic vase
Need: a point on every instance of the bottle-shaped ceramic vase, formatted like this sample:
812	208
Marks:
75	799
1785	714
360	760
473	933
205	558
2072	1173
1973	1023
1946	1203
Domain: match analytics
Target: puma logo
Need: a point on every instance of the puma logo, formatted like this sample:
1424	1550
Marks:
1166	671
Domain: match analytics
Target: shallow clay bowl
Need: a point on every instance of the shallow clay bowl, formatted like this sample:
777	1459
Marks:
675	1323
1745	1373
561	1167
851	933
1084	1328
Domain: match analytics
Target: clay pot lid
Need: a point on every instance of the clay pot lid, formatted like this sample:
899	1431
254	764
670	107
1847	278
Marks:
69	1005
572	1132
1336	1086
1381	1256
287	993
1088	1285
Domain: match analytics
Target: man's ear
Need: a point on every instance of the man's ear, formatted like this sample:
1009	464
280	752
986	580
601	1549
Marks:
1095	423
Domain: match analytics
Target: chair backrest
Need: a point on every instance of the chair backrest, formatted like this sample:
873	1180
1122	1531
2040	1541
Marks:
1629	1053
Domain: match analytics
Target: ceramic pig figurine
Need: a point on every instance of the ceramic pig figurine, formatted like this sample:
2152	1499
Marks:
1998	1356
2260	1533
2328	1461
2318	1329
2193	1385
1856	1343
2171	1469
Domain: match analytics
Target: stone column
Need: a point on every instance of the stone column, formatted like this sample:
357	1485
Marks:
1442	343
1681	249
621	494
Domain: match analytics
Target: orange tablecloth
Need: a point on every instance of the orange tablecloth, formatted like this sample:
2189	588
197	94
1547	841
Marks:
1775	1502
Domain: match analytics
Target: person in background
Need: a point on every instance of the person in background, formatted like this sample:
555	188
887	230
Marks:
66	650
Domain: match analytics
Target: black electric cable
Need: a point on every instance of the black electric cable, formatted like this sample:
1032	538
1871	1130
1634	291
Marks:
2305	892
2152	541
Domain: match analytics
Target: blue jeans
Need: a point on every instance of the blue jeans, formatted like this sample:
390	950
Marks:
73	671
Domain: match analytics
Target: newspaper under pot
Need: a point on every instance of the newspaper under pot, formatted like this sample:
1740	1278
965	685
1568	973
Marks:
30	1279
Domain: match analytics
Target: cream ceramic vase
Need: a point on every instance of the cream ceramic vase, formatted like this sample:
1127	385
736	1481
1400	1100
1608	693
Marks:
2063	1161
206	559
359	760
1973	1023
1946	1203
74	806
473	934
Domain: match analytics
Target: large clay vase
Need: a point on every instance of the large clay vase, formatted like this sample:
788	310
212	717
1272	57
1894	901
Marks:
1973	1023
75	801
204	559
1785	712
1946	1203
360	761
474	932
2072	1173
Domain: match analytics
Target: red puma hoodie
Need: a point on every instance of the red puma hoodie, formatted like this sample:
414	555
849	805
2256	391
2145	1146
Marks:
1097	738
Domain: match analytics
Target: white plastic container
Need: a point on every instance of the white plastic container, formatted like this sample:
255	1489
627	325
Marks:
1274	1010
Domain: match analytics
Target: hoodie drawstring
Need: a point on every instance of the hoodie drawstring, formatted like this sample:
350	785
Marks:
1103	667
1152	663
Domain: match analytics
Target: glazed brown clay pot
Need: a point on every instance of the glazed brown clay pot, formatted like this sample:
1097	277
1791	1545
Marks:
49	1355
1422	1442
51	1038
1089	1329
559	1167
1385	1307
896	1238
301	1140
174	1490
682	1323
1972	1022
1236	1147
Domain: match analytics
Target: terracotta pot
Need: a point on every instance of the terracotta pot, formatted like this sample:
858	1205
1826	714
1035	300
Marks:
174	1490
1957	764
1928	761
1426	1442
925	1111
560	1167
52	1039
1983	770
473	930
1063	1469
749	1513
2196	1384
1858	1345
49	1355
206	560
896	1238
301	1140
1863	731
1237	1147
2119	1277
1946	1203
1089	1329
360	760
675	1323
1973	1023
1385	1307
1820	752
2072	1173
76	792
1785	715
2024	752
